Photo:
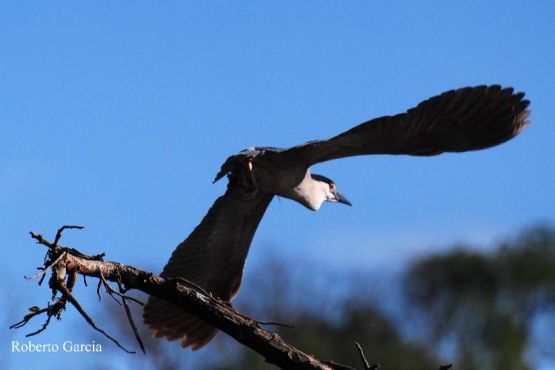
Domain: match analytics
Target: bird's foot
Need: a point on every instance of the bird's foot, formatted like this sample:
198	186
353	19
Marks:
248	180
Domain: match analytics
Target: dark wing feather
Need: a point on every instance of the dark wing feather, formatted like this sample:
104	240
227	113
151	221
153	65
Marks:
459	120
212	257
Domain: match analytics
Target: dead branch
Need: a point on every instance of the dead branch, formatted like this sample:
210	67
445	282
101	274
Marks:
67	263
366	365
124	299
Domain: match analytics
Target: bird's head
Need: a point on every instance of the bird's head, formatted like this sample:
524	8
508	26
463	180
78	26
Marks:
327	190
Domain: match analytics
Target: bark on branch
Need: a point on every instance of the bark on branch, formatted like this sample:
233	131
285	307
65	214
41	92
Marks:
66	264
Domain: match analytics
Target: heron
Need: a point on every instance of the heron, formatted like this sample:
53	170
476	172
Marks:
214	254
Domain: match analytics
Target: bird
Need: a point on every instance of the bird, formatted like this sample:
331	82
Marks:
214	254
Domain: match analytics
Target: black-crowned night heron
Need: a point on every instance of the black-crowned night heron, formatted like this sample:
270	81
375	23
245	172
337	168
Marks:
214	254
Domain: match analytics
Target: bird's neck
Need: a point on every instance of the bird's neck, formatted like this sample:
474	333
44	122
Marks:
309	193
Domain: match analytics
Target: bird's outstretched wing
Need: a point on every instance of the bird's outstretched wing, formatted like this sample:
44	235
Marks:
212	257
459	120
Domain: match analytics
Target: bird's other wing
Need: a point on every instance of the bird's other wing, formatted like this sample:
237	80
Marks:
212	257
459	120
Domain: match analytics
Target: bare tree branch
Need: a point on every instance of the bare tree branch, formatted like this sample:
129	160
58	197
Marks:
67	263
71	299
124	299
365	364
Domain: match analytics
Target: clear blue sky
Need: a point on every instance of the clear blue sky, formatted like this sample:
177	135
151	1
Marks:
117	116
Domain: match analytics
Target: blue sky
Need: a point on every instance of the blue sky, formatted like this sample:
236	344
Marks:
117	117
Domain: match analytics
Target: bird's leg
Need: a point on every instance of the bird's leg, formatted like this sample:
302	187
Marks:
250	165
247	178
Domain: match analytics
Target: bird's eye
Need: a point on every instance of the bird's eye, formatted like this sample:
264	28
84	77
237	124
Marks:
332	186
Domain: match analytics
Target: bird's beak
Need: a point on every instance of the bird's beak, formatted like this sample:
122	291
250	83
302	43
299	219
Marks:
341	199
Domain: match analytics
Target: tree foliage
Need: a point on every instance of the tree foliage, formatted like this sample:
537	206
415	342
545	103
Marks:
486	302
